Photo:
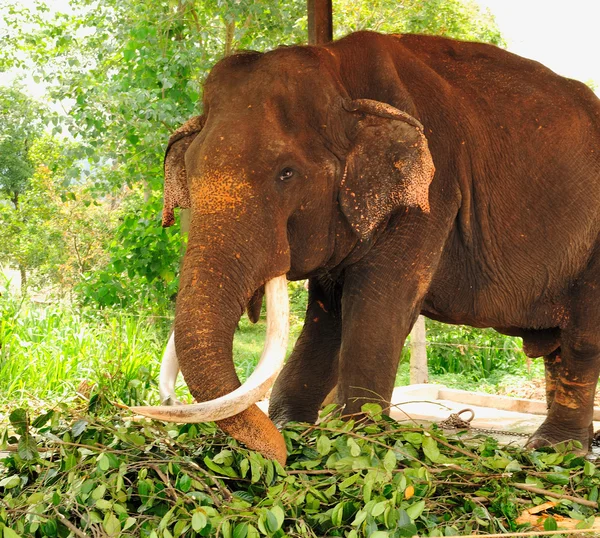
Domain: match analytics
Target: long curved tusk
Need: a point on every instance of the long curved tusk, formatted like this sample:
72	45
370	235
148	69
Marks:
257	385
169	369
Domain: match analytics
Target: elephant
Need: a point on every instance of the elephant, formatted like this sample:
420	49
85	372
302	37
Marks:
400	174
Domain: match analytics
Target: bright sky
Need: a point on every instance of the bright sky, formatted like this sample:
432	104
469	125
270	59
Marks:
563	35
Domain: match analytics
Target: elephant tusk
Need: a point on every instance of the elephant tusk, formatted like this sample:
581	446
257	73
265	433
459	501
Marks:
257	385
169	369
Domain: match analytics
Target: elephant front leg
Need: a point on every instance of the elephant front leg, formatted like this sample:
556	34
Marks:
310	373
378	314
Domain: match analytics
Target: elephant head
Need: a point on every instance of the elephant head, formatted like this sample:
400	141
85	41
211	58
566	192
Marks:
285	175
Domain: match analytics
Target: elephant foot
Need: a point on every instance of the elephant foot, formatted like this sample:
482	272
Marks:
281	417
549	434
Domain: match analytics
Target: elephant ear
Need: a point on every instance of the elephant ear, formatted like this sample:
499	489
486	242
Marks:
176	193
387	167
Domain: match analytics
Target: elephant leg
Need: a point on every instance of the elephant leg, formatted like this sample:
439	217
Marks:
552	364
310	373
377	317
571	411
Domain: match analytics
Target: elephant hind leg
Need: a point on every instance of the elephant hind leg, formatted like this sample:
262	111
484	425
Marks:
572	371
552	363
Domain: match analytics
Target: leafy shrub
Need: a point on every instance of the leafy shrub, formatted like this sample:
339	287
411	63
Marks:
459	349
144	261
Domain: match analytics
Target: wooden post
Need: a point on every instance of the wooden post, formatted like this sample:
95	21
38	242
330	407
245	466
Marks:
418	353
320	21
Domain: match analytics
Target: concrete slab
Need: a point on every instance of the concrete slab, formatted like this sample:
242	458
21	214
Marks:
434	403
429	403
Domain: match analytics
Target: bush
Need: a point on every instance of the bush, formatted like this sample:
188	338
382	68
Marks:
144	261
458	349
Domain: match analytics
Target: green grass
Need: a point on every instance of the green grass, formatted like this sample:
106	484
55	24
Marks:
53	352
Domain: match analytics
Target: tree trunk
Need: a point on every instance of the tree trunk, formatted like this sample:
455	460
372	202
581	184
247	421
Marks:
23	272
229	34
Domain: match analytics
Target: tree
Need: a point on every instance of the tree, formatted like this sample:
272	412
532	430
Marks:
21	121
460	19
130	71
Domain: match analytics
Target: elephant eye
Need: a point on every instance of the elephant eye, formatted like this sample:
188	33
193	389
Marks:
286	173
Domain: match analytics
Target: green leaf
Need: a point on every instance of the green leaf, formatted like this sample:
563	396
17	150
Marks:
379	508
111	524
414	438
103	504
184	483
244	495
561	479
199	520
588	468
103	462
27	449
19	420
9	533
255	469
42	419
220	469
431	449
275	518
550	524
99	492
240	530
337	514
79	427
355	449
373	410
10	482
513	467
587	523
323	445
389	461
405	525
415	510
349	481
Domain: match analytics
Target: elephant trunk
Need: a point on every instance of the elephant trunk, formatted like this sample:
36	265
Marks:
212	297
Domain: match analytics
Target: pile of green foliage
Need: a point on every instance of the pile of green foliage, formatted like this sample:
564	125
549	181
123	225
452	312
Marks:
102	473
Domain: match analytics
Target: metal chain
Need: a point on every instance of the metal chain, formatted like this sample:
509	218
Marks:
454	421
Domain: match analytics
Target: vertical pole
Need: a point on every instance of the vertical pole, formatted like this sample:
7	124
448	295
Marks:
418	353
320	21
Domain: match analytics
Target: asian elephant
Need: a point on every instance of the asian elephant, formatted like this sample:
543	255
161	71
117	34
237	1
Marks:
401	174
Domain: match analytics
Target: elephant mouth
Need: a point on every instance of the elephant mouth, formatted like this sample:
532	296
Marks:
261	380
255	304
